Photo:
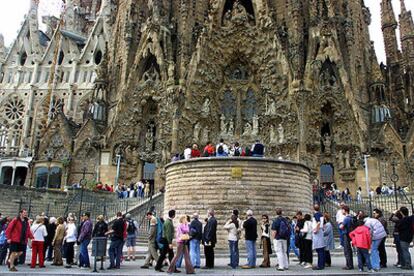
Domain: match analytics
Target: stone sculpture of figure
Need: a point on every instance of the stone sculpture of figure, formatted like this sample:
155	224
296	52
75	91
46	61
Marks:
196	132
247	129
255	125
340	159
227	19
239	13
271	109
347	159
230	130
272	135
327	143
204	138
281	133
153	9
205	110
223	125
149	138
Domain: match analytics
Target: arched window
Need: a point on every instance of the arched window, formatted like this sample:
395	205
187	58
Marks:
41	175
55	178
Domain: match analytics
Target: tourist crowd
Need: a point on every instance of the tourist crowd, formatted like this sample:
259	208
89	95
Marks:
221	150
303	234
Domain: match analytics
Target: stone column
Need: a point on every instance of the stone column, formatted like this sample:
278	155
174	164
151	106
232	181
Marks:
174	135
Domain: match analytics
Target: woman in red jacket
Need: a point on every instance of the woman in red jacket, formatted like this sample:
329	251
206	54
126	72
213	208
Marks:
361	239
17	233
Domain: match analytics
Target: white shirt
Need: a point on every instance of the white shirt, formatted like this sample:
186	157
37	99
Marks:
71	233
339	216
225	147
187	153
233	231
39	232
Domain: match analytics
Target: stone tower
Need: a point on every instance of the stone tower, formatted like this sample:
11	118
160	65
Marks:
299	75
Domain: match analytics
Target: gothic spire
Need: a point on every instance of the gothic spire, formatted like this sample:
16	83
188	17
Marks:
406	30
389	25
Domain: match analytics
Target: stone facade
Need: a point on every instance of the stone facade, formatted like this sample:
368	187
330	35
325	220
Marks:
302	76
225	184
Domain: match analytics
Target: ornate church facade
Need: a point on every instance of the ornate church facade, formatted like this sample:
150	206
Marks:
118	87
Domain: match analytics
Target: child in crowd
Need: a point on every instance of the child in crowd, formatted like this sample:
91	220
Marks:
361	239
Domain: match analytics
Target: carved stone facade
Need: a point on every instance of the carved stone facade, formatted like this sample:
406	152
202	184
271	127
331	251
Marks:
302	76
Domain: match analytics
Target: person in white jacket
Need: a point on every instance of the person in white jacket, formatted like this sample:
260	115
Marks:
70	240
233	228
306	233
39	233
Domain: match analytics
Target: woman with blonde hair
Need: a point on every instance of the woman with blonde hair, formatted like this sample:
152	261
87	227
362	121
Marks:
39	233
182	237
70	240
57	242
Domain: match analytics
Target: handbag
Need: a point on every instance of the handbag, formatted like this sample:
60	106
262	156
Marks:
184	237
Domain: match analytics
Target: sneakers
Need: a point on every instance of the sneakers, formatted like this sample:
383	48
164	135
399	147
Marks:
307	266
12	269
340	247
280	269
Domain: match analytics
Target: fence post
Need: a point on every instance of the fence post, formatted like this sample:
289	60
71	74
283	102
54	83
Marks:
20	206
30	206
47	210
126	209
104	210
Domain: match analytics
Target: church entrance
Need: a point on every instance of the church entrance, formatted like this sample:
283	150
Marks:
327	176
149	175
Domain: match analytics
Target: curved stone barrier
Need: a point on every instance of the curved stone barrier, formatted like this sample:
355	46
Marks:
242	183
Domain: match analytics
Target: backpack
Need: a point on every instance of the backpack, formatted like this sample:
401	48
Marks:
220	150
158	237
236	152
3	238
353	224
131	227
284	229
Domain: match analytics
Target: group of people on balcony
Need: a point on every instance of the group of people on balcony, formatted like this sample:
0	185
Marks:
222	149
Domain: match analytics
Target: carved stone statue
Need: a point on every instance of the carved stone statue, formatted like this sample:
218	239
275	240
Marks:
281	132
327	143
239	13
255	125
149	138
340	159
205	109
271	109
153	9
223	125
204	137
227	19
347	159
273	138
247	129
230	130
196	132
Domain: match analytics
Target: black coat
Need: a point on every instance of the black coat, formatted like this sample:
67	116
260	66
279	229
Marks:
101	227
250	229
210	231
196	229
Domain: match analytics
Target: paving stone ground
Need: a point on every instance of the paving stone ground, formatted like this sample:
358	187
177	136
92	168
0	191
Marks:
133	268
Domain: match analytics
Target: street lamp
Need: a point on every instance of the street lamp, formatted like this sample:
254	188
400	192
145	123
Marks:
394	178
82	183
118	164
367	181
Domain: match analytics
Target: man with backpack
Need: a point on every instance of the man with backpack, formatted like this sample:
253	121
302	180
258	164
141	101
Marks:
196	235
347	226
281	233
132	229
166	241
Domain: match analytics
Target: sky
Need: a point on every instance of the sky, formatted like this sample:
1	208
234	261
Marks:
12	15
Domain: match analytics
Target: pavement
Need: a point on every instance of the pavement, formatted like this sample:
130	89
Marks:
133	268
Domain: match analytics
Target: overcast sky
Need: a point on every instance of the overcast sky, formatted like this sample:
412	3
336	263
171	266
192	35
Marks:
12	15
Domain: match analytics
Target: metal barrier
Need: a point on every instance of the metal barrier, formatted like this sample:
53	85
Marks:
99	251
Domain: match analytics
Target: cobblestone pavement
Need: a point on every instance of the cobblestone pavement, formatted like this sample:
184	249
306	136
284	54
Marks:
133	268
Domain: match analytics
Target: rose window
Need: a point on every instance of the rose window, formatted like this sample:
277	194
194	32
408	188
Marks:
14	108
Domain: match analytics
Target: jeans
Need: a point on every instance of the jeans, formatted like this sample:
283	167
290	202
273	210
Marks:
363	254
195	252
321	257
251	253
405	254
83	254
348	252
281	253
234	253
375	260
292	246
115	253
398	248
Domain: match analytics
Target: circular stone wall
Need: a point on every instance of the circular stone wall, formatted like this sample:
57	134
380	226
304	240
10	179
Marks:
241	183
